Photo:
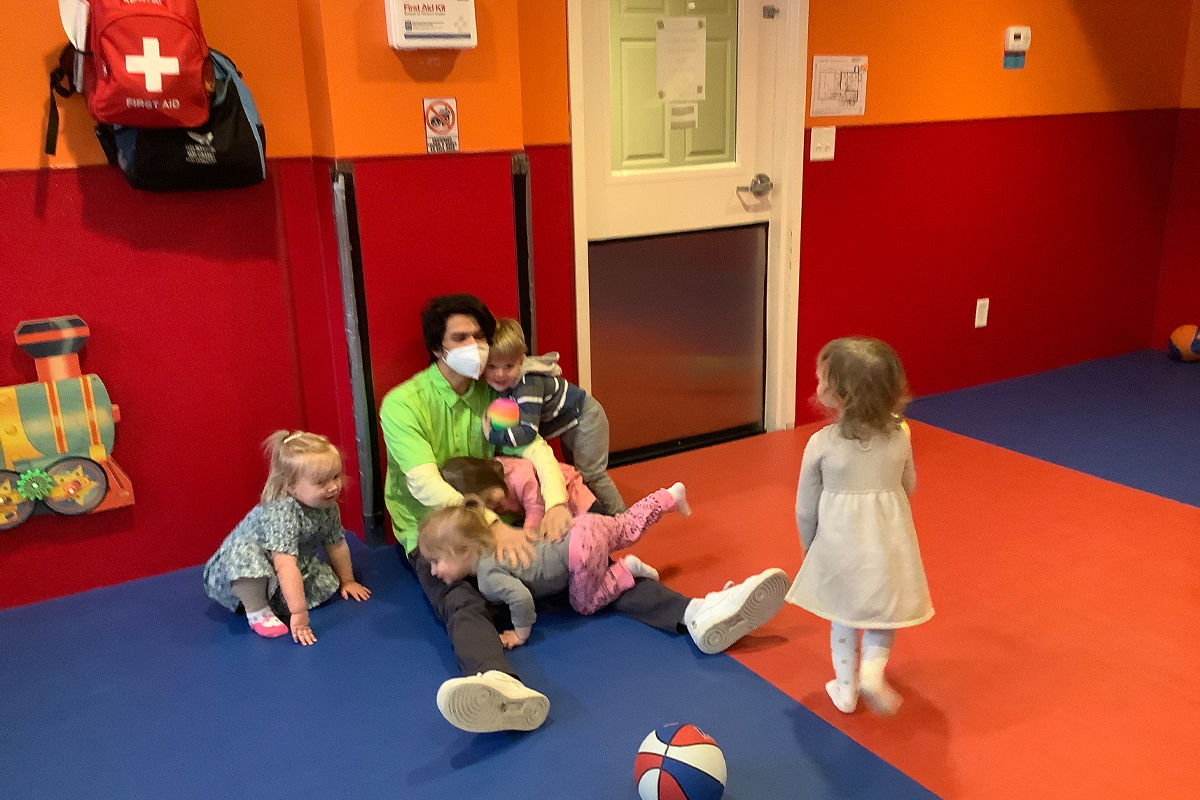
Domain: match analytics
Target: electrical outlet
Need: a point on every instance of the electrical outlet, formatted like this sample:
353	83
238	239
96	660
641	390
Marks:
981	312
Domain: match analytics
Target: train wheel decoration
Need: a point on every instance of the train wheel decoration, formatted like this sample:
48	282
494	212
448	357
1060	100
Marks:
15	508
56	435
79	486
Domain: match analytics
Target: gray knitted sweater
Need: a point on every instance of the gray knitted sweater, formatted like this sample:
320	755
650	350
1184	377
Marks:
862	566
517	587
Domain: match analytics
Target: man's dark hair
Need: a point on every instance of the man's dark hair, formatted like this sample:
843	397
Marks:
439	309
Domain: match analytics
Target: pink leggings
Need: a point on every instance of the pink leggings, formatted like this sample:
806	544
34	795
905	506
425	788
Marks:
595	579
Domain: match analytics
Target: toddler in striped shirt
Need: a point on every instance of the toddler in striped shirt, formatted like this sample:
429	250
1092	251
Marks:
550	407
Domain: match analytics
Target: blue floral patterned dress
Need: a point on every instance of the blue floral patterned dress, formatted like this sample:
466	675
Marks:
283	526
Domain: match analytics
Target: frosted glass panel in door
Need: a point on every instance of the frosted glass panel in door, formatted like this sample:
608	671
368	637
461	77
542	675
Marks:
678	333
642	136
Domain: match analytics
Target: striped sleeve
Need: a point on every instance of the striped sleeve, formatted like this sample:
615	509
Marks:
529	393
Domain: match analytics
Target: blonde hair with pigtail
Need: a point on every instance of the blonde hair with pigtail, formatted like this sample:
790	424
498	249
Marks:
298	454
456	529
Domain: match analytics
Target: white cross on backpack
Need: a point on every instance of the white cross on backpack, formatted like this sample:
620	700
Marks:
151	64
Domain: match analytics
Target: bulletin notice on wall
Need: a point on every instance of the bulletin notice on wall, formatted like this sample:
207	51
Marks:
839	86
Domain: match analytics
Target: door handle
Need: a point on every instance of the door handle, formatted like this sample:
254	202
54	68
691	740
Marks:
760	185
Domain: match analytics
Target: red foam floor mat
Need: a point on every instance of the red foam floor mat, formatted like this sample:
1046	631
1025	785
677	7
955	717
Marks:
1062	660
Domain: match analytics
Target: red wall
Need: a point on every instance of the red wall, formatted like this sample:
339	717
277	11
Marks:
427	227
554	253
232	303
440	225
1179	287
201	337
1058	220
308	239
431	226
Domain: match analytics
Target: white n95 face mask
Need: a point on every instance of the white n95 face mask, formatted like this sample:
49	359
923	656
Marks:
467	360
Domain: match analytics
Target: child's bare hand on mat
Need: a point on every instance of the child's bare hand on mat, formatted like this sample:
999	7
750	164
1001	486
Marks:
356	590
301	633
510	640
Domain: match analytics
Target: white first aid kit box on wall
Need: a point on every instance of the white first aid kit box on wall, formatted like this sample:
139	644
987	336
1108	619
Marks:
443	24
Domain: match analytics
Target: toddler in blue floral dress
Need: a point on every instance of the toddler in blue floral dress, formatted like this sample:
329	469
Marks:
274	548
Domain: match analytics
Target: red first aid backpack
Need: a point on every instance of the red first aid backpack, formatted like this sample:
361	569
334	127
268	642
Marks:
146	64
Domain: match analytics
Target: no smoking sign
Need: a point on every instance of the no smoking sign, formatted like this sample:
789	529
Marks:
441	124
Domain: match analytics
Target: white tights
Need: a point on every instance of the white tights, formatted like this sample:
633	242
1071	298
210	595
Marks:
865	675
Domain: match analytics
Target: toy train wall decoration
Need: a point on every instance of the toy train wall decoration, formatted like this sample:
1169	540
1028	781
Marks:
56	435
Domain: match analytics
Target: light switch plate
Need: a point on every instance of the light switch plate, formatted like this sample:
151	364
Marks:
820	145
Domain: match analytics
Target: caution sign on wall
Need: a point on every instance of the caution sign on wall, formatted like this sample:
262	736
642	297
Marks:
441	124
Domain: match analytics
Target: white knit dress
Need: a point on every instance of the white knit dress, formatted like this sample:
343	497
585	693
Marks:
862	565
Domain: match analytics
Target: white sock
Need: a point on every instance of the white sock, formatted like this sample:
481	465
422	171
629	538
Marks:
842	700
639	568
877	648
678	493
261	615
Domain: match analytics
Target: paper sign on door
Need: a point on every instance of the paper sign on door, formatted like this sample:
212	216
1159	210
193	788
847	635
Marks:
680	59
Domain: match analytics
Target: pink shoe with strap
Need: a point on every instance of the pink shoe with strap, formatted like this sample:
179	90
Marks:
267	624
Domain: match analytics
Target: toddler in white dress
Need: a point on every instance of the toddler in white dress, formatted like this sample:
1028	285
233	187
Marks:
862	567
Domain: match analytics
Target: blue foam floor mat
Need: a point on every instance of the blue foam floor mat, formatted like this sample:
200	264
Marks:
1133	419
148	689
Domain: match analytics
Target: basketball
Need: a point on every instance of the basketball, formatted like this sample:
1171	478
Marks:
503	414
679	762
1184	344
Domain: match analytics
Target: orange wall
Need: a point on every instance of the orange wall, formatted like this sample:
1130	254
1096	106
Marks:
544	104
316	79
1191	70
262	37
376	93
938	60
367	99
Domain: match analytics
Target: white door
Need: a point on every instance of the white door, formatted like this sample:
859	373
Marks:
643	166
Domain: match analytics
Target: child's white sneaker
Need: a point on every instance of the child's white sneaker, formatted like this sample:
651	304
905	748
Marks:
845	698
724	617
491	701
678	493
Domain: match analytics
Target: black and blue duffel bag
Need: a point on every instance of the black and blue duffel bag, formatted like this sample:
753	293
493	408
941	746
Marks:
229	151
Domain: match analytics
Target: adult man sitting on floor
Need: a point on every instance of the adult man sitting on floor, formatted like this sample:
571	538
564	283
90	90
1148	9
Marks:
437	414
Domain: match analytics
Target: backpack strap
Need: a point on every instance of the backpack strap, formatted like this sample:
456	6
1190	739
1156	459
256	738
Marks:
61	85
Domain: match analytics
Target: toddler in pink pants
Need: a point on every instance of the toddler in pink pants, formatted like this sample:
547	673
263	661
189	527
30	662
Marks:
457	542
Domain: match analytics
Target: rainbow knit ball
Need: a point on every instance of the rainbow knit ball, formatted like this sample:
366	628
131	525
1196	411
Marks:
1184	344
503	414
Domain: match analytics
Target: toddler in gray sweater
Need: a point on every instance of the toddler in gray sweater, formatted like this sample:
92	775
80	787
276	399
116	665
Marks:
457	542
